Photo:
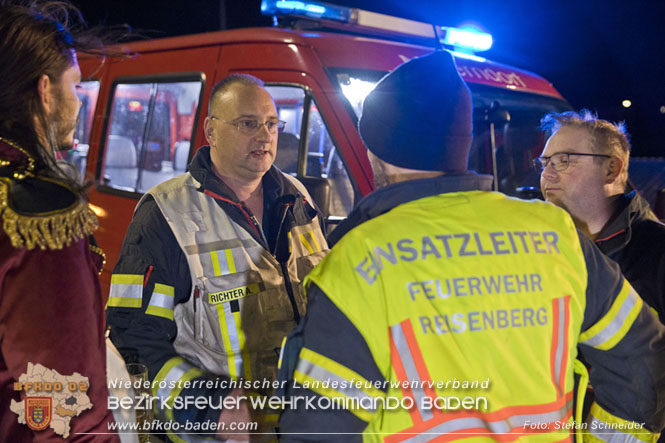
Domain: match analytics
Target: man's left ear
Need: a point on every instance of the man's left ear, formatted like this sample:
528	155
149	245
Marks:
44	91
614	168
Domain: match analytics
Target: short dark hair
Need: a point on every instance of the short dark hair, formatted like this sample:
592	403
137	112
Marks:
224	84
606	137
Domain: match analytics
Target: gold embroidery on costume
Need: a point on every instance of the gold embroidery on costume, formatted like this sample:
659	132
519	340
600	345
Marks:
53	230
98	250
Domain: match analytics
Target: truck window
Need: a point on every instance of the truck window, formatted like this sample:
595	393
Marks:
322	159
88	91
512	120
149	133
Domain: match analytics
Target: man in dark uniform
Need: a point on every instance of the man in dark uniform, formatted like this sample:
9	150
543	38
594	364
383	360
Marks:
209	279
584	170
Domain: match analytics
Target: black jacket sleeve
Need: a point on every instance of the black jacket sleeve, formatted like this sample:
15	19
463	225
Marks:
151	251
322	331
629	377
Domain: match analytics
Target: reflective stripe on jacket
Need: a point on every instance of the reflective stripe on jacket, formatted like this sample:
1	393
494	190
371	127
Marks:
488	314
239	311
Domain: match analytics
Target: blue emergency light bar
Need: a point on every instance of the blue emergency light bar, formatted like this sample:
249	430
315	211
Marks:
466	38
306	9
367	22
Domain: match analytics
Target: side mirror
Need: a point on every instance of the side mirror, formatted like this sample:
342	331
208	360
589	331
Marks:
497	116
319	189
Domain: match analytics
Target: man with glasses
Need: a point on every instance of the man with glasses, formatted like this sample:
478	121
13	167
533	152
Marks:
445	312
209	280
584	170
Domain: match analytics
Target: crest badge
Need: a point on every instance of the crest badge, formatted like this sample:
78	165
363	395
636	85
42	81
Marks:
38	412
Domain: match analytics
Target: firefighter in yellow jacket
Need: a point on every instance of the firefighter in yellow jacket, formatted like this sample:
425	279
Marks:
447	312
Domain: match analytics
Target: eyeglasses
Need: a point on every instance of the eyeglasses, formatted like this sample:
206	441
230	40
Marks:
249	126
560	161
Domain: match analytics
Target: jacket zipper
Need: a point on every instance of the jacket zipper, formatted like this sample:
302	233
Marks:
257	228
279	230
289	291
196	295
285	270
253	222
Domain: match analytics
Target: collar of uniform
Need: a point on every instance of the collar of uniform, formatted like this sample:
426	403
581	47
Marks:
616	234
274	184
275	187
20	163
384	199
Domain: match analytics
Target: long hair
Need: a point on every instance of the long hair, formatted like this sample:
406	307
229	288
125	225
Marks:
38	37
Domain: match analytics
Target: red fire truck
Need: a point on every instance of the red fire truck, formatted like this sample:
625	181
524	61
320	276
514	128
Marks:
142	116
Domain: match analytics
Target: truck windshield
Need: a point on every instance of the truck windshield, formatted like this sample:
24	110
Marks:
506	137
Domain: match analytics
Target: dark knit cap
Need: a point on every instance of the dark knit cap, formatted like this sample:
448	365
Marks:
419	116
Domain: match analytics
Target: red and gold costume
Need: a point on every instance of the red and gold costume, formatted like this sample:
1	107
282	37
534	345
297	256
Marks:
51	306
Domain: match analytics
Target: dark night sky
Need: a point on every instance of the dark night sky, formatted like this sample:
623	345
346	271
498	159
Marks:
596	53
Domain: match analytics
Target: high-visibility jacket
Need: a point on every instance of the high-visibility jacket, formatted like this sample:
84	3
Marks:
240	308
225	297
471	305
